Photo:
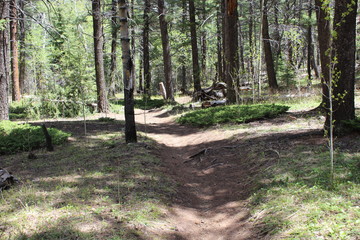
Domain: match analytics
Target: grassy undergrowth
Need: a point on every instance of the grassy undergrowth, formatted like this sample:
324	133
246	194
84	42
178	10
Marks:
295	202
141	103
231	114
16	137
90	188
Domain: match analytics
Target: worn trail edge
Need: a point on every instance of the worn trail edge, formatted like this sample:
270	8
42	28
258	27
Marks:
212	176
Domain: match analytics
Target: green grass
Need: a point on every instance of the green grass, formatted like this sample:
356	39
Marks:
295	201
142	103
231	114
87	189
16	137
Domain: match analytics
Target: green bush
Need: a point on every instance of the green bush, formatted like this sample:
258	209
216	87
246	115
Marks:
231	114
16	137
44	108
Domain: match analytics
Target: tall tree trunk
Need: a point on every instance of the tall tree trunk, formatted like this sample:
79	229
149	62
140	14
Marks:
231	49
130	127
194	47
146	52
114	36
251	39
16	94
203	41
22	60
4	64
133	42
99	60
310	50
277	36
220	65
241	46
324	39
344	70
267	51
166	51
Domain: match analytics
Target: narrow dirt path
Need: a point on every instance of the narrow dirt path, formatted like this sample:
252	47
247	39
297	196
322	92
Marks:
212	186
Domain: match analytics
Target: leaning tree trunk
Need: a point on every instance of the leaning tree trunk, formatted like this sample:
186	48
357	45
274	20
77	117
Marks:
130	126
324	38
16	94
194	47
166	51
99	58
231	49
344	47
4	65
270	69
146	52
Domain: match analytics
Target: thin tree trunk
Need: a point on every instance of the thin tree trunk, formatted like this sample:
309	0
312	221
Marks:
4	64
324	39
310	54
166	51
219	46
267	51
133	43
130	127
114	36
99	60
16	94
203	42
194	47
251	38
146	52
241	47
231	49
22	62
344	70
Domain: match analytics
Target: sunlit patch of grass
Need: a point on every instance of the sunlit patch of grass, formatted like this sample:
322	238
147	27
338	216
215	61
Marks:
297	103
295	201
231	114
85	190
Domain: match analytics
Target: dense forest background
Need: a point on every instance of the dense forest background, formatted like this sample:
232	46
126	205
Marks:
261	46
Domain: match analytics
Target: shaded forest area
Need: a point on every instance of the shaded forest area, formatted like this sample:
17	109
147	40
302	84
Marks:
73	56
115	145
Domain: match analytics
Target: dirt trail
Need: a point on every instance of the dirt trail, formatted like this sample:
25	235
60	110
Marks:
213	187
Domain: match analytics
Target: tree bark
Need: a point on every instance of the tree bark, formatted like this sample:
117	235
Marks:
344	45
231	49
22	60
16	94
99	59
114	36
203	41
310	49
166	51
194	47
130	126
270	69
220	65
4	65
146	52
324	38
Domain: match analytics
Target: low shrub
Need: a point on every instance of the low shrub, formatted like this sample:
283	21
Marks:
231	114
16	137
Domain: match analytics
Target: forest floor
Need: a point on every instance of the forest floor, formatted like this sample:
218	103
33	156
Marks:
214	186
215	171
